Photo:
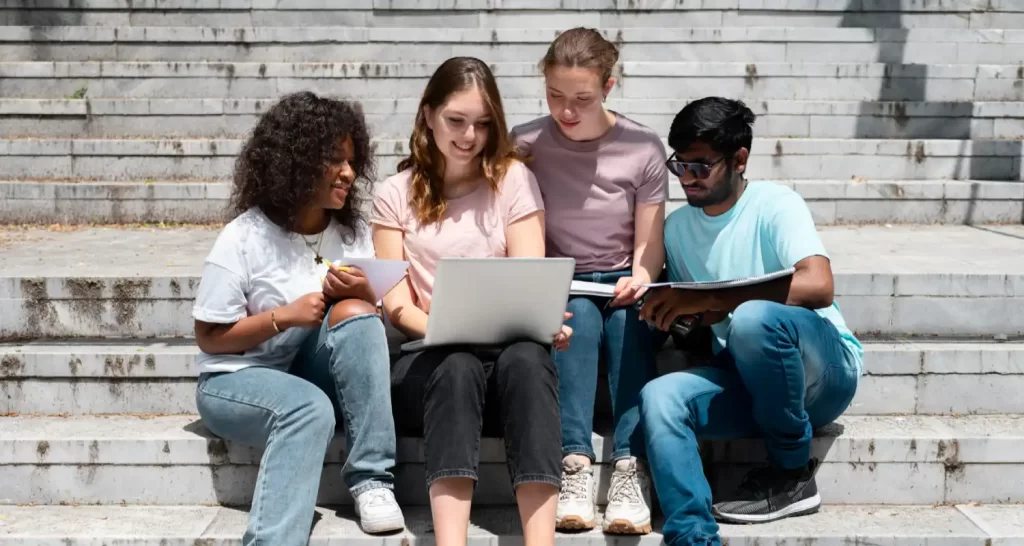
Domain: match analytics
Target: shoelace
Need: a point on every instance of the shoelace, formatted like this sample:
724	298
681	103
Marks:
625	487
378	497
574	486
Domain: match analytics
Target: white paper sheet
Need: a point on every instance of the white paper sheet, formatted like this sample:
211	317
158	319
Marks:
383	274
584	288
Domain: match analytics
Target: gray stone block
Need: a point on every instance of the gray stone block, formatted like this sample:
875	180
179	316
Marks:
1004	523
885	395
983	483
981	394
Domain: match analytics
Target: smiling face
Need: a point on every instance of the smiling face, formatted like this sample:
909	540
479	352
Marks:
338	176
461	126
575	96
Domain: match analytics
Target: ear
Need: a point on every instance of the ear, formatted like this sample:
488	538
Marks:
608	86
740	160
428	116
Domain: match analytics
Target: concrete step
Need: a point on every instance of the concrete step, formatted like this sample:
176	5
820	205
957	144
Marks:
903	7
961	525
693	14
83	377
902	280
689	13
425	44
772	158
816	81
175	460
219	118
832	202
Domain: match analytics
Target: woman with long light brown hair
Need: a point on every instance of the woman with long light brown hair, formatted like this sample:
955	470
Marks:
463	193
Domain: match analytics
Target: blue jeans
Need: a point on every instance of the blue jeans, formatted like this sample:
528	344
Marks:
785	372
624	341
342	370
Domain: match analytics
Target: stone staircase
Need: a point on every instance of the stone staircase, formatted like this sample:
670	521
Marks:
900	121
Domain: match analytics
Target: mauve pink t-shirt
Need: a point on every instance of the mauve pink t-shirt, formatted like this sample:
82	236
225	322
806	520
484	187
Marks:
591	188
473	225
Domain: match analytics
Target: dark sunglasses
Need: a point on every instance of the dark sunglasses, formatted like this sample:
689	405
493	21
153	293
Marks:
699	170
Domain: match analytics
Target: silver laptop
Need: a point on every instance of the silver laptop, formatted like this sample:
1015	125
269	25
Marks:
490	301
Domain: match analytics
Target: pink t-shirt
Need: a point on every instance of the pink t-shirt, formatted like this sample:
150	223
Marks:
473	225
591	188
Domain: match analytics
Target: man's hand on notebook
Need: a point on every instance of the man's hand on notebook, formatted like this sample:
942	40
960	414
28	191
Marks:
664	305
562	338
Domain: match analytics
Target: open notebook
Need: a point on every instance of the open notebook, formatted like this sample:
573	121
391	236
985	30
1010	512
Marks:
583	288
715	285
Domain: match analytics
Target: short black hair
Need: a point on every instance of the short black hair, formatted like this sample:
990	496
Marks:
282	163
724	124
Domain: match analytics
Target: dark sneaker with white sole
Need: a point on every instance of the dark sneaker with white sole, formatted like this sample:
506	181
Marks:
771	493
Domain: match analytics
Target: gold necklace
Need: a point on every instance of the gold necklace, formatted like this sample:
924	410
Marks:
316	253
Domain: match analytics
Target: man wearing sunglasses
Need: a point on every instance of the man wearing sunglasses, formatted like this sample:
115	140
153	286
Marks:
785	363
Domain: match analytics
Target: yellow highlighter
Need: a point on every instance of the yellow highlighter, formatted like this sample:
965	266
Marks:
344	268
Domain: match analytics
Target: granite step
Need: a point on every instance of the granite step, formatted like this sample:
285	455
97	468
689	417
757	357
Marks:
832	202
903	280
174	460
960	525
752	81
771	158
219	118
83	377
429	45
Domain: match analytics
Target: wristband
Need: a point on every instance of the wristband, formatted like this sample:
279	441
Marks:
274	322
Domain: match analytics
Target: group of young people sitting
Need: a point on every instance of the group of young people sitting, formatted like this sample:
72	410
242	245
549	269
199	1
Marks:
292	345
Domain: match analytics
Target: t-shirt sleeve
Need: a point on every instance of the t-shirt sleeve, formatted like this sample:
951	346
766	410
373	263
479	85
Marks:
220	298
654	183
388	205
521	193
792	231
519	142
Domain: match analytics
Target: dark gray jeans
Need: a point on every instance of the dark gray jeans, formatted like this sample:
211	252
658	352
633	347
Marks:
453	395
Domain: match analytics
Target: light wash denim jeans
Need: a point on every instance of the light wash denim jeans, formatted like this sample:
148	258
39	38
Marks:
785	372
617	335
343	370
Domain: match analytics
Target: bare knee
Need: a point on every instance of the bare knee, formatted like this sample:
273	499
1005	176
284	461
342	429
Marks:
346	309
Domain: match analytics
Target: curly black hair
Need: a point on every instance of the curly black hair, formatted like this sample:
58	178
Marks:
282	163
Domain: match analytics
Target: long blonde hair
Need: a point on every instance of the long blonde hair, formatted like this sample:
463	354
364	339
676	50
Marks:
454	75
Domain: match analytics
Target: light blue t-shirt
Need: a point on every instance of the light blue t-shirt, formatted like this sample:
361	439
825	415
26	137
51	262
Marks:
769	229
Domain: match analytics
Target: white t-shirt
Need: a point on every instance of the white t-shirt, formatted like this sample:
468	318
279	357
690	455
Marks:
256	266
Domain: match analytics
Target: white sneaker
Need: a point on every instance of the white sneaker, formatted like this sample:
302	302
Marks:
577	497
629	499
378	511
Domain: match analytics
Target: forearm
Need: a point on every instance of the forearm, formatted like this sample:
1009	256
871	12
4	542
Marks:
648	261
649	248
798	291
238	337
403	312
409	319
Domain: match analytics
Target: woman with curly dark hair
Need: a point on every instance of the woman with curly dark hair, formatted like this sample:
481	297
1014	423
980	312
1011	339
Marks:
289	341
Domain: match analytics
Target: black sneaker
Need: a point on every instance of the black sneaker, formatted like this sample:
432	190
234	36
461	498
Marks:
771	493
